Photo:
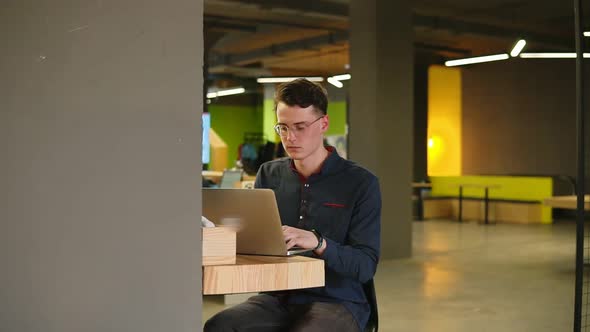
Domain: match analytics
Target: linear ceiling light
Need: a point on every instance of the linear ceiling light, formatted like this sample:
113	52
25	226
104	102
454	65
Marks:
586	33
479	59
335	82
226	92
570	55
342	77
548	55
518	48
287	79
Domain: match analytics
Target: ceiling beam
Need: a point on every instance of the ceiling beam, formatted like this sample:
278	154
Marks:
487	30
209	24
278	49
420	21
233	59
314	6
441	48
261	21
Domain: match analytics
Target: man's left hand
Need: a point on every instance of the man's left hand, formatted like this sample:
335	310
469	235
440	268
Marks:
295	237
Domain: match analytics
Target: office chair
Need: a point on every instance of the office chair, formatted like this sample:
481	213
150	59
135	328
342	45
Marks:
571	181
229	179
373	323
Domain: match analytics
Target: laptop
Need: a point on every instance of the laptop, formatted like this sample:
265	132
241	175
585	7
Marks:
255	215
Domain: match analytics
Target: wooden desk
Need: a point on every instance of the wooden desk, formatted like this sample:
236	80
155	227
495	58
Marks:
263	273
247	177
566	202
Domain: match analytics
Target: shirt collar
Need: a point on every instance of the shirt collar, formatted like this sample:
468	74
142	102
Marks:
328	166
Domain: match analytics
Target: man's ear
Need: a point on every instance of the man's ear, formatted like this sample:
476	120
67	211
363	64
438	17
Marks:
325	123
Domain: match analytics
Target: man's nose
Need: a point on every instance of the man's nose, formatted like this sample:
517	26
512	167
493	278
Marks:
290	136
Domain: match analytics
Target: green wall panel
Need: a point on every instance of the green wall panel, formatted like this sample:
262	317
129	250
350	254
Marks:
337	115
232	122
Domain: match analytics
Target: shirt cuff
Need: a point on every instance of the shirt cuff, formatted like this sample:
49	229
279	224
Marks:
331	252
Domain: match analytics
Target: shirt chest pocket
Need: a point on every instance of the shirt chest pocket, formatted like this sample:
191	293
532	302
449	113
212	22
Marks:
332	218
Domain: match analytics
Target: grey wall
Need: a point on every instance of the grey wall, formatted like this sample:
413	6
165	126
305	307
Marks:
519	117
100	106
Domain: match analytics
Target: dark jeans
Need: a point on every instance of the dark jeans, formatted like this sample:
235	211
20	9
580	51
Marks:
265	313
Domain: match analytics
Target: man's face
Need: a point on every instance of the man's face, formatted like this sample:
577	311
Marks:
303	136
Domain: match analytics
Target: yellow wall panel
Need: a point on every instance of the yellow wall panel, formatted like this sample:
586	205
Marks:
444	121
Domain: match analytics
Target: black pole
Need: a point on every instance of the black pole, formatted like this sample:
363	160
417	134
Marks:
460	203
486	202
580	158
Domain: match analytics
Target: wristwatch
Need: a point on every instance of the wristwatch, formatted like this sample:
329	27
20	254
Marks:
320	239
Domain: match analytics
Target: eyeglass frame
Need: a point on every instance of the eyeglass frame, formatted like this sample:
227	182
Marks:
289	130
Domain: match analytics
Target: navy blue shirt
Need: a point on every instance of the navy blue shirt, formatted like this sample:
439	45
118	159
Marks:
343	203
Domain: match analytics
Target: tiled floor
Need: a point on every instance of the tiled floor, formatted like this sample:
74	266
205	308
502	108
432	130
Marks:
471	277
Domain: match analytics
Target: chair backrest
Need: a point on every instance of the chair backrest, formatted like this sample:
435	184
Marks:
230	178
373	323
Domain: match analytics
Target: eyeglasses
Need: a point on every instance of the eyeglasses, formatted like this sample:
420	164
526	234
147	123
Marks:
283	130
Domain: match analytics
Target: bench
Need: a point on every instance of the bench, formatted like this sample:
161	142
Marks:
515	199
473	208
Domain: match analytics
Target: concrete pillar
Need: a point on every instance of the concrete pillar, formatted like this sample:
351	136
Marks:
381	110
100	138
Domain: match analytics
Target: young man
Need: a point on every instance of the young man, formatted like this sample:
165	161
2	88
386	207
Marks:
327	204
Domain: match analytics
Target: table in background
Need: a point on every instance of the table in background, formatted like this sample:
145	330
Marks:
214	176
566	202
486	198
420	187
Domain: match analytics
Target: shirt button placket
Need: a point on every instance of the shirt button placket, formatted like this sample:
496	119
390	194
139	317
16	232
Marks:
303	206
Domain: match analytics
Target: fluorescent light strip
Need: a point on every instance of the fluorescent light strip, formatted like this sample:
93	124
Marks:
342	77
548	55
479	59
586	33
570	55
287	79
227	92
518	48
335	82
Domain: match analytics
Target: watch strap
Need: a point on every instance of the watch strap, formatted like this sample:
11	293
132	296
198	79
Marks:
319	237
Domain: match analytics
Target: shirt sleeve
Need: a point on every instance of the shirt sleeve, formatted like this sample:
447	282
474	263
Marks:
358	257
259	182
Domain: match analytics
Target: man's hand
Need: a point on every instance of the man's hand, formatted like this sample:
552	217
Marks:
295	237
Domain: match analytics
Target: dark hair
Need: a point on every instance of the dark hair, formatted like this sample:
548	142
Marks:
303	93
